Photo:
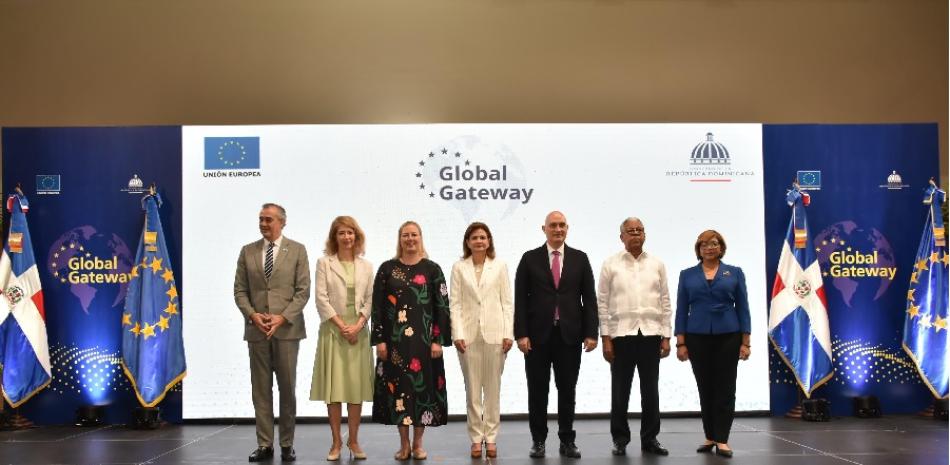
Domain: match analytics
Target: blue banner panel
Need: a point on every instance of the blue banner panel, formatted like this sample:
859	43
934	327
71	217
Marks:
865	184
85	187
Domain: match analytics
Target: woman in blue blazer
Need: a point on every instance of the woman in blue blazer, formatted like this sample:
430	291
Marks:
712	332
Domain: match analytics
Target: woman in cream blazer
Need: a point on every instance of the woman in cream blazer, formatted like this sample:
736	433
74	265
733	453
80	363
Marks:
343	366
482	319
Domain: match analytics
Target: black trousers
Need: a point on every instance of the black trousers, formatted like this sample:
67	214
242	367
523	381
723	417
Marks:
715	359
631	353
565	358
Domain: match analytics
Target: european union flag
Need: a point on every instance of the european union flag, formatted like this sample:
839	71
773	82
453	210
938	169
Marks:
153	353
925	326
232	153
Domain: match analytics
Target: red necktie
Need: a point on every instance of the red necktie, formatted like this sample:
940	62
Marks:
556	271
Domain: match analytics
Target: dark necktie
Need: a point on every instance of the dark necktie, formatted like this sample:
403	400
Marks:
269	261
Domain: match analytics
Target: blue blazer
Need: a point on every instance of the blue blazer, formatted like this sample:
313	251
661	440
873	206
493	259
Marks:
712	308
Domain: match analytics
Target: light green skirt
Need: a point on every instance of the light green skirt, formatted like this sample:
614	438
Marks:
342	372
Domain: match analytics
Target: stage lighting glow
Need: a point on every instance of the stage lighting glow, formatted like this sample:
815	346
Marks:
93	372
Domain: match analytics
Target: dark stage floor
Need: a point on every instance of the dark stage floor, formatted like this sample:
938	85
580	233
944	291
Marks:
892	440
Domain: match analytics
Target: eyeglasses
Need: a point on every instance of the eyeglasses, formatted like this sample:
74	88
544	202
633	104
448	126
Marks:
632	231
709	245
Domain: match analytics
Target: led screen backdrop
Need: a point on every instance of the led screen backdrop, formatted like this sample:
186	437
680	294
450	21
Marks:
444	177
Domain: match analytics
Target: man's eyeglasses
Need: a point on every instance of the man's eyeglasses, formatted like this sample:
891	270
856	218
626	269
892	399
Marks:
632	231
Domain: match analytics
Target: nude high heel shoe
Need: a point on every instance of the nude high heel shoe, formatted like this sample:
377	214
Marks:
356	453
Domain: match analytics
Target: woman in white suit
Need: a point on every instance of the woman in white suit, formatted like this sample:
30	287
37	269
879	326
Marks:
343	367
482	320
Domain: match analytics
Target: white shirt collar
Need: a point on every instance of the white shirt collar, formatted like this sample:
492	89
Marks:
276	242
628	255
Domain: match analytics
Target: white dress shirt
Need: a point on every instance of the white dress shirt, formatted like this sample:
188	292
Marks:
632	296
276	251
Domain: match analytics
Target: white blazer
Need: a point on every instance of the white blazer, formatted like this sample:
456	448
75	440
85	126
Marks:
481	308
331	286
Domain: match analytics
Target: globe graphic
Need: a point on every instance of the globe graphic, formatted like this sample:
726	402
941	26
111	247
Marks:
475	151
851	237
87	242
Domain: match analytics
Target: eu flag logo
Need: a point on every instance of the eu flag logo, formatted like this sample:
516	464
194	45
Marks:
46	183
232	153
809	180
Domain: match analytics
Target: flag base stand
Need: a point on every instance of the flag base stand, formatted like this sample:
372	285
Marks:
795	412
816	410
18	421
147	418
13	421
939	409
936	410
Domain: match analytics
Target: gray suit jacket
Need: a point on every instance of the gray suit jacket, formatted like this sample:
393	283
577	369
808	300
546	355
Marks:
285	293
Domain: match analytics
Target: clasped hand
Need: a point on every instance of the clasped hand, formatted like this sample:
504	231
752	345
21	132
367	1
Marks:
351	333
382	351
267	323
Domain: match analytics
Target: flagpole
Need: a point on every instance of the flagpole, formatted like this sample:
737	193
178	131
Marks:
15	421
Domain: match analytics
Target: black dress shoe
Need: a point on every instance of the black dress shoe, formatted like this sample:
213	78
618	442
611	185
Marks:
261	454
537	450
727	453
618	449
654	447
570	450
706	448
288	454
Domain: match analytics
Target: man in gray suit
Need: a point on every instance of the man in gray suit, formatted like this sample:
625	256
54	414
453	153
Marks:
271	288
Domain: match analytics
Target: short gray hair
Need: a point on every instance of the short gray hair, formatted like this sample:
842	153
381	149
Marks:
281	213
629	219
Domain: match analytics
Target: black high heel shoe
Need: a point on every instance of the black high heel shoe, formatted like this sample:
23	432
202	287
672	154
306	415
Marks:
727	453
706	448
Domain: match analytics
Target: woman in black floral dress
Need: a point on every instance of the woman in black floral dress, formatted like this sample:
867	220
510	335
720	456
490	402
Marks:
410	326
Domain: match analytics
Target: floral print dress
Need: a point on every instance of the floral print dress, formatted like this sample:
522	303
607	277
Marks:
410	312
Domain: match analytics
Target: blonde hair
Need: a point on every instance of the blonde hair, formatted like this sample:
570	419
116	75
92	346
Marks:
359	245
422	246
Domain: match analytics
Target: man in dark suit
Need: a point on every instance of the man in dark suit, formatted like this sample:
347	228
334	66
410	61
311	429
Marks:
271	288
555	313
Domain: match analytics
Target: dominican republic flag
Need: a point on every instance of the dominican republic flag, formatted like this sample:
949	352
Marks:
798	314
24	351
